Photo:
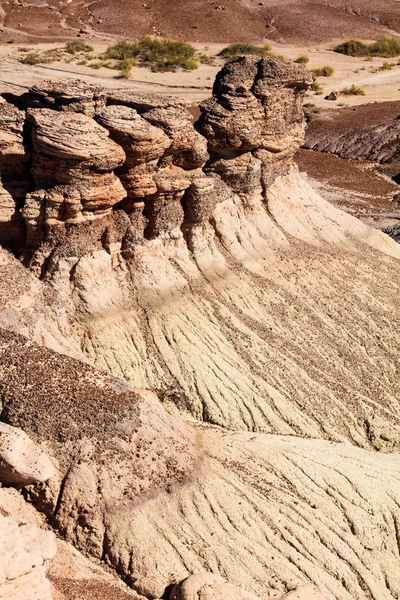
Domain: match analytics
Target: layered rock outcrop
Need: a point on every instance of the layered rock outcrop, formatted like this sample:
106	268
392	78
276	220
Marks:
72	165
15	179
256	108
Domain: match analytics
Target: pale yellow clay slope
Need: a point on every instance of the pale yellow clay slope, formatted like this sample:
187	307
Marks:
283	319
268	513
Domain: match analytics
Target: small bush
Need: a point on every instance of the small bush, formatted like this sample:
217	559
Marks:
24	49
354	90
317	88
122	51
35	59
164	55
160	55
75	47
11	41
125	68
386	46
302	60
326	71
352	48
387	66
241	49
204	59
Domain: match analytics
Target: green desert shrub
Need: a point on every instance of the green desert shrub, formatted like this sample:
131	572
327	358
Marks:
326	71
165	55
122	51
353	90
75	47
33	58
125	68
159	55
302	60
386	46
240	49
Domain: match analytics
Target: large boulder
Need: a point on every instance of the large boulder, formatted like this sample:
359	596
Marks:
22	462
208	586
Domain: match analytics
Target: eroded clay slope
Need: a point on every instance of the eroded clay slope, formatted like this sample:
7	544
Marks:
158	499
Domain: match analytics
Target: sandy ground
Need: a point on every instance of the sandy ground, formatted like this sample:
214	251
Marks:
196	85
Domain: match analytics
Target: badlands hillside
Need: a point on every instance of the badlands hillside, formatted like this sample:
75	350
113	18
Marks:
284	21
199	388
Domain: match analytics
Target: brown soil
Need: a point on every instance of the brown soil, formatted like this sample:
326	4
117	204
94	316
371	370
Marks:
369	192
349	118
288	21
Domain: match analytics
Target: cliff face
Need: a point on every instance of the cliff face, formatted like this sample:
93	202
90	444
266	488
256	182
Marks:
91	153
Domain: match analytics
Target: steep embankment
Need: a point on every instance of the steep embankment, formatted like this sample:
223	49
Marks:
196	260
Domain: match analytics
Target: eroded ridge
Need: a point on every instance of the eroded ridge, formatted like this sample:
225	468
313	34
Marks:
192	257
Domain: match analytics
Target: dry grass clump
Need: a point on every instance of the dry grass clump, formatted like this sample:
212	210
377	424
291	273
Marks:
303	59
317	88
326	71
354	90
241	49
205	59
386	46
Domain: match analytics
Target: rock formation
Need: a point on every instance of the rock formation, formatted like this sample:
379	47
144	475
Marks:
192	259
21	461
24	549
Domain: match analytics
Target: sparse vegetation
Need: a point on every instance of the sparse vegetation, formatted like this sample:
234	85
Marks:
125	68
387	66
11	41
241	49
205	59
302	60
160	55
122	50
317	88
386	46
354	90
75	47
33	58
326	71
101	63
